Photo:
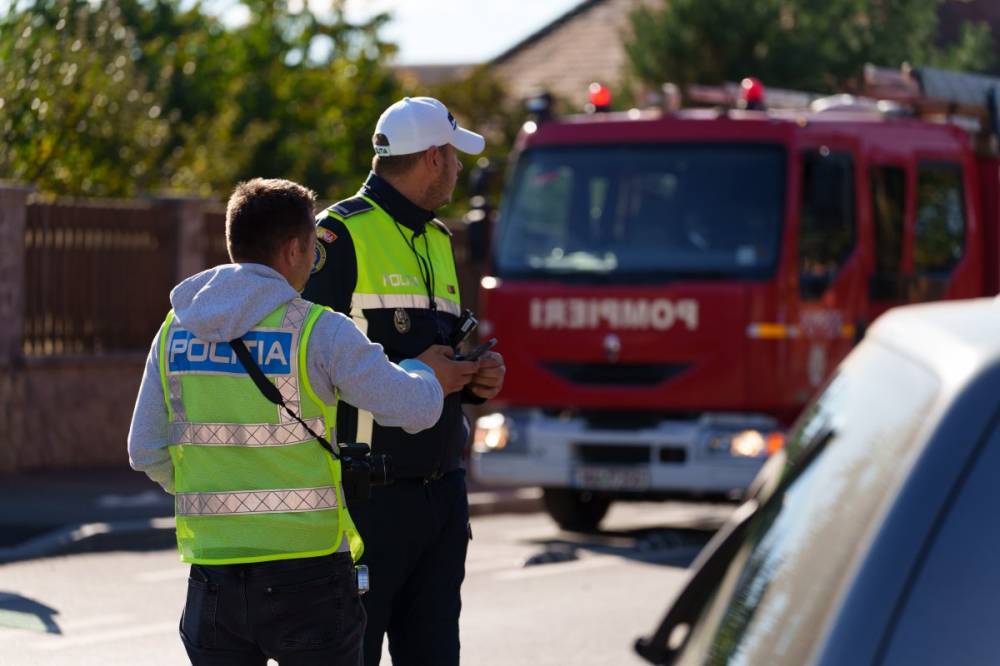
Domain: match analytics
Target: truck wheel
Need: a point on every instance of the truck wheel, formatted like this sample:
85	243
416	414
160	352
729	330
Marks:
575	510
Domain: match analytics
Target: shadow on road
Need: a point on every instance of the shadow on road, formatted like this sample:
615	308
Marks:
17	612
669	546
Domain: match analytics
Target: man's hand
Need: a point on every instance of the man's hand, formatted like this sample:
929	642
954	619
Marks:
488	380
453	375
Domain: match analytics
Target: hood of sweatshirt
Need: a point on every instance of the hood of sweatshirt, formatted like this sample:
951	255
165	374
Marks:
225	302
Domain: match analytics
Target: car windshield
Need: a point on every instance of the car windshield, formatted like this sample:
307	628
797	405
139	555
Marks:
785	578
627	212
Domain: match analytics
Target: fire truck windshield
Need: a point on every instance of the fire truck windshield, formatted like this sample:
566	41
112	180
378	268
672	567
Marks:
703	211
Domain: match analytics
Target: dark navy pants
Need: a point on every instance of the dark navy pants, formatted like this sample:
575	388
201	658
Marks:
300	612
416	536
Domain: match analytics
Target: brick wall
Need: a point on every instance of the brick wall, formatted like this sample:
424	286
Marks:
68	412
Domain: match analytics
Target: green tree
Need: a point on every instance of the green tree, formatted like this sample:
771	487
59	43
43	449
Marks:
118	97
481	102
74	110
288	93
817	45
304	96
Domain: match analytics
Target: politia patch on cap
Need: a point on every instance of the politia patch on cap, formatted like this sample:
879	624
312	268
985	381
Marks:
319	258
401	320
325	235
381	143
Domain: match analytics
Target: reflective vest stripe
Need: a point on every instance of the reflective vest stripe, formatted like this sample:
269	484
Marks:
236	434
296	314
289	389
256	501
417	301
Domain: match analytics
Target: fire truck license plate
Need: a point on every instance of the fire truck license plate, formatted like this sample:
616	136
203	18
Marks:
612	478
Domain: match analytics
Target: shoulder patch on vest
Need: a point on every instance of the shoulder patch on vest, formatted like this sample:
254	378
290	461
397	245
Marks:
441	226
325	235
351	207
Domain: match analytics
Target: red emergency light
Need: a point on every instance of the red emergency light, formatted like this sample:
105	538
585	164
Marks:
752	94
600	97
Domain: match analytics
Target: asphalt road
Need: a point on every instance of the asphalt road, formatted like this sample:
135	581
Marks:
533	594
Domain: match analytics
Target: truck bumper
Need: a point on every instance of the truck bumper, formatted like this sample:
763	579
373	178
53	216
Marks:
674	456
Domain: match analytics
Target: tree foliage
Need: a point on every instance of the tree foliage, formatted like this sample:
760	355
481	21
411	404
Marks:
74	109
817	45
481	102
119	97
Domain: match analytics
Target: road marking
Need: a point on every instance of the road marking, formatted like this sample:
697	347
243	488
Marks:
174	573
62	643
557	568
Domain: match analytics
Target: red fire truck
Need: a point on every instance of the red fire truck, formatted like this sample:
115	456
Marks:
670	287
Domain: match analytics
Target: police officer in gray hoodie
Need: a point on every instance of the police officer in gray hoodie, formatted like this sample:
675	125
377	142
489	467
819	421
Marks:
233	613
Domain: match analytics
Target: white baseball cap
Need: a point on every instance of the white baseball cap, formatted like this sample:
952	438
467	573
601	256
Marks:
414	124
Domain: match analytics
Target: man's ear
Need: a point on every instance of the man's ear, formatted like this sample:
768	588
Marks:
288	251
433	156
303	244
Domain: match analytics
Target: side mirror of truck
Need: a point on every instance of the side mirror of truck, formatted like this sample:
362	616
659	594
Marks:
478	225
479	219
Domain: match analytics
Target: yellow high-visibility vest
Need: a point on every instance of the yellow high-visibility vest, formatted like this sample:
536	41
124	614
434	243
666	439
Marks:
251	483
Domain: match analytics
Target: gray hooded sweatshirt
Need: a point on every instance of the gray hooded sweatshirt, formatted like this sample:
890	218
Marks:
223	303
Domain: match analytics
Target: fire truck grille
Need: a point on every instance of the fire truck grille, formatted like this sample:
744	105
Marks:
614	454
673	454
616	374
604	454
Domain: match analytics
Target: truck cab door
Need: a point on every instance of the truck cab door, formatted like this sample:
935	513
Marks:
946	235
888	189
831	271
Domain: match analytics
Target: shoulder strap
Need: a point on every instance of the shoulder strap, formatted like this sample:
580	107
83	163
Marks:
271	391
351	207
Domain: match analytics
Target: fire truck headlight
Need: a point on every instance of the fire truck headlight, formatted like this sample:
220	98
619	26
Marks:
492	433
748	444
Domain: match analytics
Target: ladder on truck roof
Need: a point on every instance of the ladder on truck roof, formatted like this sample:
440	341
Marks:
971	101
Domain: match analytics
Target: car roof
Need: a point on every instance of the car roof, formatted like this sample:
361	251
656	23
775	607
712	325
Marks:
951	338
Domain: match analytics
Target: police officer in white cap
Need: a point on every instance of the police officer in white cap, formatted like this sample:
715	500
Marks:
383	259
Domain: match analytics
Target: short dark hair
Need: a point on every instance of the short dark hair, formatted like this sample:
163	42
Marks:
264	213
395	165
399	165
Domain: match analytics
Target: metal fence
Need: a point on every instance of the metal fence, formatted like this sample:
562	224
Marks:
215	238
97	276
